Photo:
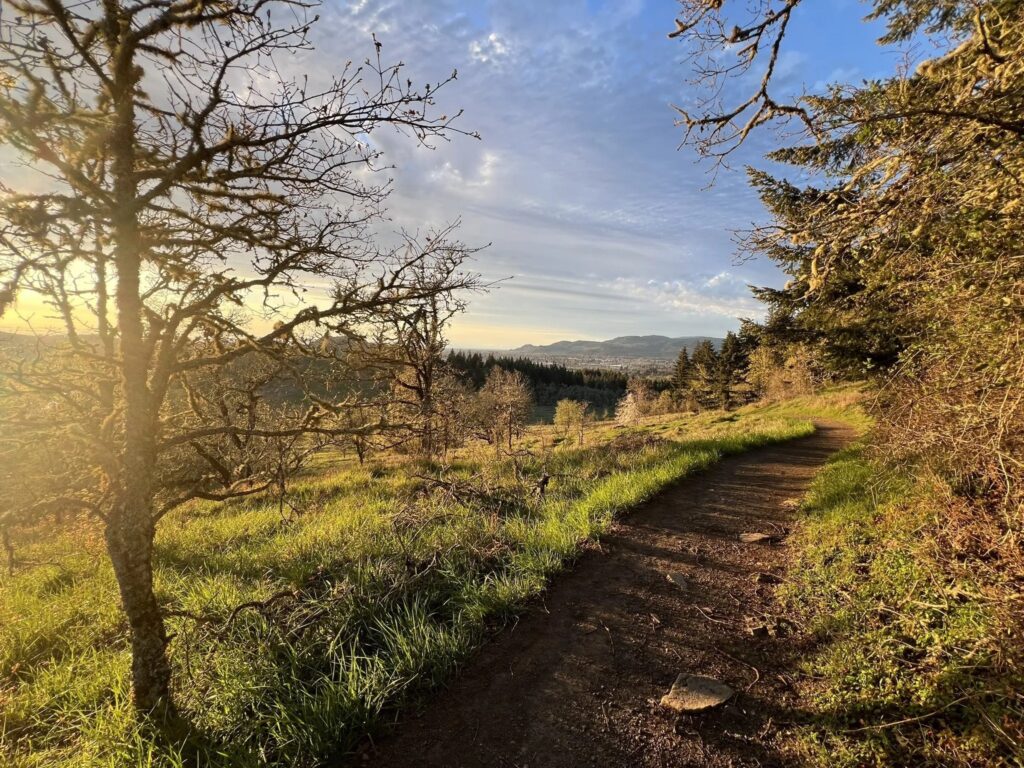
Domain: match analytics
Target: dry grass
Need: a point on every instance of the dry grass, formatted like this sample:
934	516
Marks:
295	637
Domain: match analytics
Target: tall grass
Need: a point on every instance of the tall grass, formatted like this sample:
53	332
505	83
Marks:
848	403
914	659
371	596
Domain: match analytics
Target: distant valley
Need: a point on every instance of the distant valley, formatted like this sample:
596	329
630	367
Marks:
633	347
651	354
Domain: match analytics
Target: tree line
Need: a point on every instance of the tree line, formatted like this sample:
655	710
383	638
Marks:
550	382
895	210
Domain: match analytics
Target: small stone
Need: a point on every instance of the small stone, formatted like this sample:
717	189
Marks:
757	627
757	538
678	579
695	693
782	627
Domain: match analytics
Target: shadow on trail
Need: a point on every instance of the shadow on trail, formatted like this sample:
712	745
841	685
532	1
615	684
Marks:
577	681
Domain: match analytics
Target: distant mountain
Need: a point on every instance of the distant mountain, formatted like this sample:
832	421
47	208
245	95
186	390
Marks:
31	341
650	347
16	340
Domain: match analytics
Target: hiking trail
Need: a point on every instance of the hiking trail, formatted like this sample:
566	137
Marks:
670	589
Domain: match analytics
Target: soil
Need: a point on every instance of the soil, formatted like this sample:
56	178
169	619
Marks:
578	680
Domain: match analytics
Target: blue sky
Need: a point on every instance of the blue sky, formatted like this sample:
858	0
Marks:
603	225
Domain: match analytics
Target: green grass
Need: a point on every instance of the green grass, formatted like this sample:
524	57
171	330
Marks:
844	402
909	666
391	589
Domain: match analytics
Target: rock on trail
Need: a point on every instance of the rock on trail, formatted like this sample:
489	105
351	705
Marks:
695	693
578	680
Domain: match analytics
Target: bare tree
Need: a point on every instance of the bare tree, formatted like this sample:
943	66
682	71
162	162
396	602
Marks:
502	407
722	49
730	46
408	353
182	197
362	424
643	394
628	411
572	416
453	398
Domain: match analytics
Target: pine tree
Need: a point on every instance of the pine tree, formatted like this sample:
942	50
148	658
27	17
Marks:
703	383
729	368
683	371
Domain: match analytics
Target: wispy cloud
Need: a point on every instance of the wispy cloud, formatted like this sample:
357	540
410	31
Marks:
722	294
577	183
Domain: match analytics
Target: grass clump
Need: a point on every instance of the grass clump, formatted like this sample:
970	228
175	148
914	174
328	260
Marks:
296	637
844	402
917	660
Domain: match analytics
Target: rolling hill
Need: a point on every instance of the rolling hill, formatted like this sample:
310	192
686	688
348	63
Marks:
648	347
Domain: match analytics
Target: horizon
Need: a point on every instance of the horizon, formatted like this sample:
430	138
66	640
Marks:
596	341
55	331
608	255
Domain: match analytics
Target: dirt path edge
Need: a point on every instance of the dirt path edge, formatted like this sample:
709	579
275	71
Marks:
577	681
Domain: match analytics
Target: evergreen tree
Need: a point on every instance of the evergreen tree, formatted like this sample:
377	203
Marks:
550	382
729	369
683	371
703	383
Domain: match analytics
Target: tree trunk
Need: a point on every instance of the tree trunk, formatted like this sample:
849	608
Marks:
130	527
130	546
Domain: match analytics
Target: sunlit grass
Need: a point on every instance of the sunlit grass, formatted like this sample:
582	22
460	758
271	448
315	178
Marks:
380	591
908	666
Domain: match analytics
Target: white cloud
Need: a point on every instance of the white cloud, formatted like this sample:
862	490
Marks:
490	49
722	294
480	176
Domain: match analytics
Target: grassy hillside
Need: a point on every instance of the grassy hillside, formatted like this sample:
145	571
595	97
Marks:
915	610
298	629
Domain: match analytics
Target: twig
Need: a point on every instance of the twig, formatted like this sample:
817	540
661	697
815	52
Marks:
712	618
757	673
906	720
610	640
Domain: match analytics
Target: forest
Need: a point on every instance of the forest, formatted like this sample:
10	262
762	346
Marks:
549	382
257	511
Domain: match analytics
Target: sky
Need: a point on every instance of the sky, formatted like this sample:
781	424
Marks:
598	224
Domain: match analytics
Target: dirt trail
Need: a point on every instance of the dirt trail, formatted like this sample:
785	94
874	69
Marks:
577	681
